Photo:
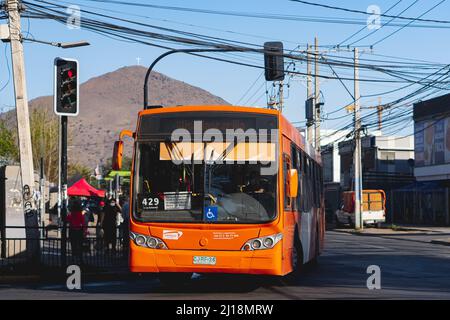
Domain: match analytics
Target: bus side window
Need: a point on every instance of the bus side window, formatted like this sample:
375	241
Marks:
309	173
317	183
306	185
298	166
320	182
301	181
286	168
295	165
314	182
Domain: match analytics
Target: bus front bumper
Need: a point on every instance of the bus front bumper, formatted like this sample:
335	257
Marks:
268	262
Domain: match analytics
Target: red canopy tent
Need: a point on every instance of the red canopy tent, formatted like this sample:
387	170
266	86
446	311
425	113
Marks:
82	188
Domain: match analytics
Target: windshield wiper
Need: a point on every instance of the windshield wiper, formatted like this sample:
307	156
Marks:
173	146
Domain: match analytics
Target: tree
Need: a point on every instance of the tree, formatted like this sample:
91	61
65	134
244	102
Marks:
126	164
44	128
8	146
77	171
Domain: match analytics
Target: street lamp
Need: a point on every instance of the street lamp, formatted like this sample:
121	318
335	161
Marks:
64	45
67	45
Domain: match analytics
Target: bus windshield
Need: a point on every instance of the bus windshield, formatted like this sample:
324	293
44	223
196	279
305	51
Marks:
205	182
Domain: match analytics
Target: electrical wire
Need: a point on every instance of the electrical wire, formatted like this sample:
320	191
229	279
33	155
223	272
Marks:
384	24
366	13
364	27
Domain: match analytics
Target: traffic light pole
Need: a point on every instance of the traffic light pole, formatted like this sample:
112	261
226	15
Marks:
23	128
63	179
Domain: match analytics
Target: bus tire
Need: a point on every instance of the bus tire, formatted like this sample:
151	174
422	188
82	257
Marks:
297	262
315	261
171	279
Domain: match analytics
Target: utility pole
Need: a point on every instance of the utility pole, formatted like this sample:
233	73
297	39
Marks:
13	8
380	114
42	196
316	95
309	128
281	95
357	151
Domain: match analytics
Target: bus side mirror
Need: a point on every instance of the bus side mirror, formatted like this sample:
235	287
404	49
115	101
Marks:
293	183
117	155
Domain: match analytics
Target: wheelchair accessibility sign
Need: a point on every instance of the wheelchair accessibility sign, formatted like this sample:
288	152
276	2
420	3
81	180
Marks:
211	213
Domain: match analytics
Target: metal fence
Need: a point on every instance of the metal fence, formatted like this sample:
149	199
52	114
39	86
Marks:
16	251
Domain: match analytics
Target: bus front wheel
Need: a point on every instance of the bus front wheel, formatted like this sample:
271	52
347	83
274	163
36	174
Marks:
297	263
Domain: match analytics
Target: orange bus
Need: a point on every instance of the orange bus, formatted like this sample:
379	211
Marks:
222	189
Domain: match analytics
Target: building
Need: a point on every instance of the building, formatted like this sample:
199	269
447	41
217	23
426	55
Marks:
432	139
427	200
387	164
331	162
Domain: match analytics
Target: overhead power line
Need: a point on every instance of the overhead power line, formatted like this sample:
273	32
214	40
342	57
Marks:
366	13
283	17
365	26
401	28
131	34
385	24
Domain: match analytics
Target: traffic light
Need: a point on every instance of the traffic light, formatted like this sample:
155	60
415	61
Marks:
273	61
66	91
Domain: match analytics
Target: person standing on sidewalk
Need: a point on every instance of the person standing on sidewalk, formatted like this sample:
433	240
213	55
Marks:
76	228
99	232
109	223
125	224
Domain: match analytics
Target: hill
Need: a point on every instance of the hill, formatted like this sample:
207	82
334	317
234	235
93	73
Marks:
110	103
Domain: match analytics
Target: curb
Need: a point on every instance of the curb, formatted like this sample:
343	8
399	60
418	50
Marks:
361	233
394	232
19	279
86	276
441	242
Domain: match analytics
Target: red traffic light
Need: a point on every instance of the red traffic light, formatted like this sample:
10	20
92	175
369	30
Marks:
66	87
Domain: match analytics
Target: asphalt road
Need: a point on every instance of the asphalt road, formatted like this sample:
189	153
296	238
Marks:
411	268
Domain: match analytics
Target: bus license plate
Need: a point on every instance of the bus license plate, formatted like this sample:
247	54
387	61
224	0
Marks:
204	260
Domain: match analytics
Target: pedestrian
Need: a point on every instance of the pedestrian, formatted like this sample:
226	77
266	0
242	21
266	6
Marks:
98	228
126	223
76	228
109	223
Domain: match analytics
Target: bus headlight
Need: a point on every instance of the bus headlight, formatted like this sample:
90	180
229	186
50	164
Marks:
267	242
147	241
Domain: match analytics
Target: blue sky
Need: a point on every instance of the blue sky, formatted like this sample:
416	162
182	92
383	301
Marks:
225	80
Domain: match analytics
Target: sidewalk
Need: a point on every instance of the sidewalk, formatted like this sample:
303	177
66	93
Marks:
442	234
59	274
